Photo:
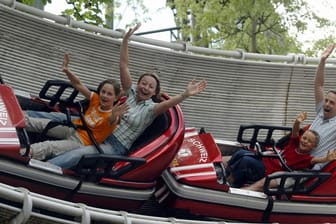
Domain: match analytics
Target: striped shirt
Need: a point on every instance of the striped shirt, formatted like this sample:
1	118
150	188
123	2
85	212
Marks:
135	121
327	131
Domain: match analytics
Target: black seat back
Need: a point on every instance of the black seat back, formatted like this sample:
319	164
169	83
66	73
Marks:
157	127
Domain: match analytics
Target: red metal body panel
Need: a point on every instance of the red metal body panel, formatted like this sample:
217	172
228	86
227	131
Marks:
11	117
194	162
126	192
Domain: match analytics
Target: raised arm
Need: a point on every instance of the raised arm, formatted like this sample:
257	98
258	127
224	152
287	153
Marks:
296	125
125	75
319	76
329	157
75	81
192	89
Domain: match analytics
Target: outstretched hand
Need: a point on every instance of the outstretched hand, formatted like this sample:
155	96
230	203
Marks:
119	110
327	52
331	155
195	87
131	31
301	117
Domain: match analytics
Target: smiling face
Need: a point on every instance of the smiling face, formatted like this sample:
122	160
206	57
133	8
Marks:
308	142
329	106
107	96
146	87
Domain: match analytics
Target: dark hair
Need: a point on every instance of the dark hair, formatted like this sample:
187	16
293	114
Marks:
332	91
157	96
113	82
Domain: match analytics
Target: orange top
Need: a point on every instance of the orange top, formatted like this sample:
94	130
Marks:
97	120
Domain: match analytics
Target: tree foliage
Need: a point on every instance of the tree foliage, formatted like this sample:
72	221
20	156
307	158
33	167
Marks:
98	12
101	12
260	26
31	2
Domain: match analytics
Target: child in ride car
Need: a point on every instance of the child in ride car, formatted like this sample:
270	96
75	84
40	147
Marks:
296	155
101	119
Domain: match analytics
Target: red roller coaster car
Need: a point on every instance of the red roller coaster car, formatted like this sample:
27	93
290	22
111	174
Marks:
107	181
180	168
195	183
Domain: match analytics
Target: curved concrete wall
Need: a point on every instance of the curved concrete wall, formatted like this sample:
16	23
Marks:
239	91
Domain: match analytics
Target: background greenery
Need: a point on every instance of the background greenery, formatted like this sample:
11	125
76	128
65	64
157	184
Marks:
257	26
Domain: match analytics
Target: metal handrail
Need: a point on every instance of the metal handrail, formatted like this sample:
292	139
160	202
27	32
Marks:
30	201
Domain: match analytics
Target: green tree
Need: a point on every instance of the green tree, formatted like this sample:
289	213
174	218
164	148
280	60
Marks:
31	2
98	12
102	12
259	26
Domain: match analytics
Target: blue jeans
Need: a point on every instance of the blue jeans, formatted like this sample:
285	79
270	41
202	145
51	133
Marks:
245	168
70	159
55	116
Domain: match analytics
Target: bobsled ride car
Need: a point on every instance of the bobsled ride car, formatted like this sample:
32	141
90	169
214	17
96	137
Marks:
195	182
181	168
100	180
